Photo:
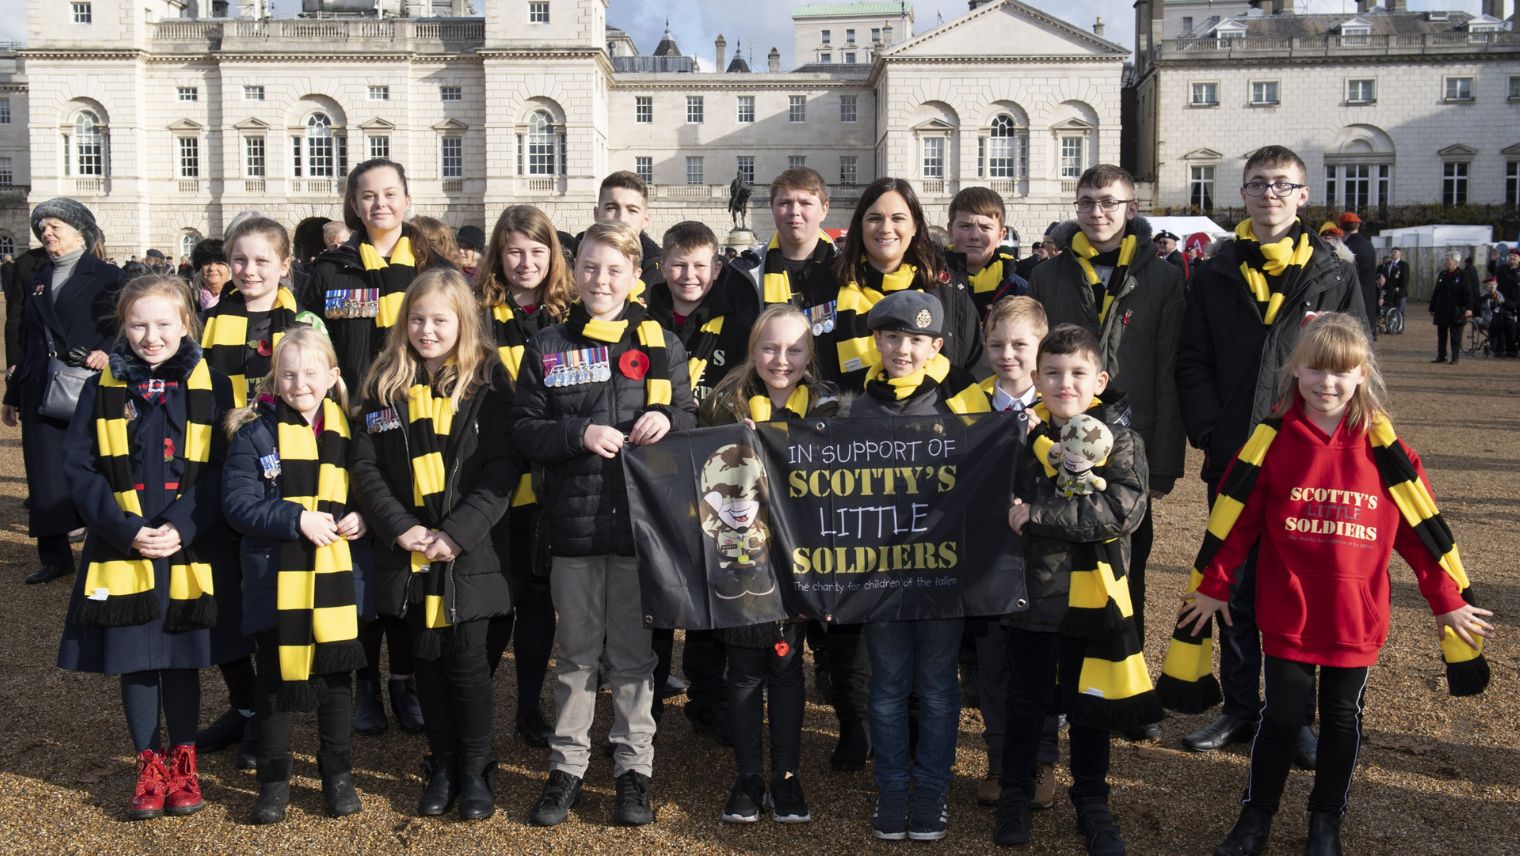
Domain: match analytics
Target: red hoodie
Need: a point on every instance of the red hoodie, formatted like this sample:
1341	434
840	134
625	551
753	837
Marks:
1324	522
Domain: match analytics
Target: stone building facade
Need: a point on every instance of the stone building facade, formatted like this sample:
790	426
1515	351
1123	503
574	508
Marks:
168	125
1386	106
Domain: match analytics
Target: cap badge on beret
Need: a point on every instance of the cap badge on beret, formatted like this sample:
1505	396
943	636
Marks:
923	318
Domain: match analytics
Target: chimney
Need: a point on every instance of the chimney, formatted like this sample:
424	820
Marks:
975	4
1098	26
773	61
886	35
720	45
1494	8
1363	6
1398	5
1281	6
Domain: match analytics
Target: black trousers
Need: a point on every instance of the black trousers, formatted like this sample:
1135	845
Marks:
849	666
702	661
1289	686
1452	332
1040	666
530	630
394	632
759	679
335	717
55	550
455	692
1139	557
242	686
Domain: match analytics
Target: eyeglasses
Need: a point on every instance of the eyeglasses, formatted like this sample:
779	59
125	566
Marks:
1280	189
1085	206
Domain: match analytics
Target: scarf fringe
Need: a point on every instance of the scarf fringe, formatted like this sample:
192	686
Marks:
1115	714
118	610
296	697
197	614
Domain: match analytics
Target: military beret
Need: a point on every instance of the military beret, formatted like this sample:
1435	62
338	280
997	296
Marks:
909	312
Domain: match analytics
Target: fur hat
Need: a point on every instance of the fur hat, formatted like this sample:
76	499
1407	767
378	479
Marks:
70	212
207	252
472	237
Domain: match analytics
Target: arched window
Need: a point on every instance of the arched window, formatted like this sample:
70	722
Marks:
89	155
543	147
319	146
7	245
187	243
1002	148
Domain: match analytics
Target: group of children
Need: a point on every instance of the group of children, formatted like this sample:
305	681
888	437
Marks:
473	491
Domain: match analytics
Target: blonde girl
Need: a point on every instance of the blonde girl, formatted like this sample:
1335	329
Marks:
1325	491
143	461
434	469
286	491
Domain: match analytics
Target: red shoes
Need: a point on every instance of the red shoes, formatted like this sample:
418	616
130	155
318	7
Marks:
184	795
152	786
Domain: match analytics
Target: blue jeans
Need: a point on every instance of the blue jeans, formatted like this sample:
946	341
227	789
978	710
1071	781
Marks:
917	657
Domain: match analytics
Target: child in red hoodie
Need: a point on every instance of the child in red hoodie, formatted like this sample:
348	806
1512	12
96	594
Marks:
1329	492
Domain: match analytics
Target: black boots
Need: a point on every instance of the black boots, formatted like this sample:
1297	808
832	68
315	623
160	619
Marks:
1250	835
477	788
405	704
440	784
1324	834
854	746
274	793
369	713
339	798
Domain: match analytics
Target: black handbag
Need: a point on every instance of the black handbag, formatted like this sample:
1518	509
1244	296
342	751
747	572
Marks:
65	383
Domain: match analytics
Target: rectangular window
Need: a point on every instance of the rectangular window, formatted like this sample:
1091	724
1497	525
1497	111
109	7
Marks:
747	168
827	37
849	36
1263	92
452	159
694	170
82	13
643	109
342	146
253	93
826	58
643	167
1363	91
295	156
1514	89
849	170
450	93
850	58
7	177
1071	157
1512	185
1454	184
693	109
796	110
379	93
796	161
875	35
1205	94
746	109
189	93
849	108
189	157
1355	37
538	13
380	147
1330	184
1459	89
1187	23
5	111
319	157
1201	188
934	157
253	157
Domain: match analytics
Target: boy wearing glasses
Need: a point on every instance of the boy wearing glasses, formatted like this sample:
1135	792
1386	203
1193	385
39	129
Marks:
1244	313
1109	281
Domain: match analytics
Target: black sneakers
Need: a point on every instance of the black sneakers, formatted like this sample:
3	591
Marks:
890	821
746	800
788	805
560	795
633	803
1099	830
930	818
1012	819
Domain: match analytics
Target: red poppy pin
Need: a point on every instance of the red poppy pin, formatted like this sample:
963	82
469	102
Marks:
264	347
168	449
634	364
782	649
1128	314
944	276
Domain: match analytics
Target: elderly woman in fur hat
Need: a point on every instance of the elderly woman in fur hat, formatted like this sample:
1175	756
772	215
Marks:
68	312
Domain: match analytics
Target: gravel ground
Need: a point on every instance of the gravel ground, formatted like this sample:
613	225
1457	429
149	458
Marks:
1436	775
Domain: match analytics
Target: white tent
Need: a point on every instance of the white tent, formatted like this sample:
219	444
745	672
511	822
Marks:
1184	226
1434	236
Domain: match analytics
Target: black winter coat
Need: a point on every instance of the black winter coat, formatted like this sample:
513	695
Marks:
357	340
1056	522
1139	338
1365	259
585	495
1229	361
1449	302
483	465
732	297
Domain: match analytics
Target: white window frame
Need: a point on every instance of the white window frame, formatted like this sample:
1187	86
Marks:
1367	83
932	157
849	108
187	156
7	245
319	149
1006	150
379	92
7	172
1456	183
1356	37
379	146
1265	93
1514	87
643	109
796	109
1512	184
1452	88
826	36
1201	185
1203	87
1358	185
745	109
538	12
188	94
451	157
88	150
544	145
849	35
5	110
83	11
744	165
796	161
695	172
643	167
1071	165
253	92
851	58
255	156
695	110
450	92
826	58
875	35
849	170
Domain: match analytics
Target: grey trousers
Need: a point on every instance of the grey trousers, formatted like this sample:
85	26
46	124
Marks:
597	598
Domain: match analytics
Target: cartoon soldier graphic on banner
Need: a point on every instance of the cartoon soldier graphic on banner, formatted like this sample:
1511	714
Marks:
734	515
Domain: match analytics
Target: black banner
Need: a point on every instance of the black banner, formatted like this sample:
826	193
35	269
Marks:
843	520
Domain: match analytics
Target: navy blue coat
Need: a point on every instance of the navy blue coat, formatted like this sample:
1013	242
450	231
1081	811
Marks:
196	513
255	509
84	315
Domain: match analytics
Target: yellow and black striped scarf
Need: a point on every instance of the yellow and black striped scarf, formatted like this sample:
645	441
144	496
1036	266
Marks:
651	343
507	329
225	339
1113	688
389	278
776	285
430	421
962	394
762	409
317	617
1187	682
986	284
1084	252
1272	270
119	589
701	349
852	337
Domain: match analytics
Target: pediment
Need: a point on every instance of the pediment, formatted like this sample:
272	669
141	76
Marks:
251	124
1510	150
1006	27
1203	154
378	124
186	125
450	125
1457	150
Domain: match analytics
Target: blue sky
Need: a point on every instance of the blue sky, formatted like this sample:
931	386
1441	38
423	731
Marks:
695	23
